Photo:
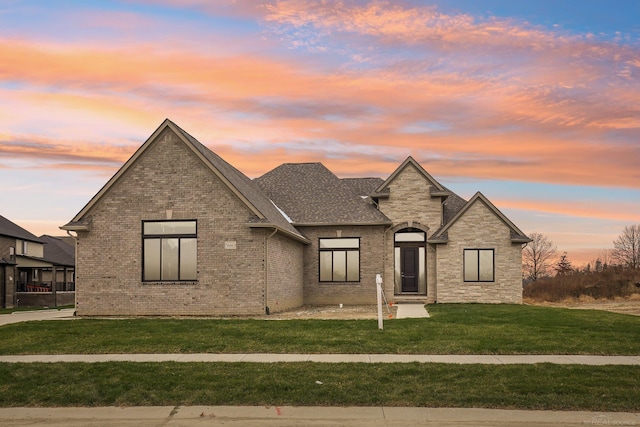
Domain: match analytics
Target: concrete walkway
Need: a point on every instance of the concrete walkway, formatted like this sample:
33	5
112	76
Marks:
328	358
27	316
411	311
304	416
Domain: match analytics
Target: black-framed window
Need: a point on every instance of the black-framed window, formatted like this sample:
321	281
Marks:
170	251
479	265
339	259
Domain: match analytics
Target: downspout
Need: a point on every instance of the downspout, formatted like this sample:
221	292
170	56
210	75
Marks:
75	271
384	260
266	271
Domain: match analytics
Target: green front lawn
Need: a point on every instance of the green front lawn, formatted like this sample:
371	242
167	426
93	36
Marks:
544	386
452	329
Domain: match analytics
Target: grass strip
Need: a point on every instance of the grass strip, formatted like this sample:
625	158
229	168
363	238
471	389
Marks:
452	329
542	386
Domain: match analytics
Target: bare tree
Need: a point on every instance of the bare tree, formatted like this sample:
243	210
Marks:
605	257
626	248
602	261
537	256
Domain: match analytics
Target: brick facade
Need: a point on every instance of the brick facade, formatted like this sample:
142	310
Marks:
371	263
285	274
7	274
242	269
231	256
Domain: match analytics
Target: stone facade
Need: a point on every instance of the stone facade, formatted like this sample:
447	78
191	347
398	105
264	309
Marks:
410	200
480	228
410	205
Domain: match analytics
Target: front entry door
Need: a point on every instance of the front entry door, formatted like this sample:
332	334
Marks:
409	269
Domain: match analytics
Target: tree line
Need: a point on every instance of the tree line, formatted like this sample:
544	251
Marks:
539	256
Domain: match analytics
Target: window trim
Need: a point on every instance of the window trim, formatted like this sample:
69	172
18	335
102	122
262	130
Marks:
346	250
478	251
161	237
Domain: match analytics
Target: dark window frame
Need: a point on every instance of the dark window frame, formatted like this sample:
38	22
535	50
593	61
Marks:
161	237
338	249
478	251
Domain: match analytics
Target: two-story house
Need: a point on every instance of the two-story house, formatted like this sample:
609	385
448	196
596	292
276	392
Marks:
33	270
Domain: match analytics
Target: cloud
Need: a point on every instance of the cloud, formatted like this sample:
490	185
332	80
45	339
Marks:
75	152
485	98
620	212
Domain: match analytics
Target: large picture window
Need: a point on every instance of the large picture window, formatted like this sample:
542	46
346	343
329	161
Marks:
340	260
170	251
478	265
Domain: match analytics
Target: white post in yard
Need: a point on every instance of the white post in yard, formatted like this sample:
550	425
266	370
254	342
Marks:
379	293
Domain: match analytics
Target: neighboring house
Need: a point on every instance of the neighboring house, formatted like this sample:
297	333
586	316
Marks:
178	231
34	271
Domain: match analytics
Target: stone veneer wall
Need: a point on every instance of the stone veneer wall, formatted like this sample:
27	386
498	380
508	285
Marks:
169	176
371	263
410	200
479	228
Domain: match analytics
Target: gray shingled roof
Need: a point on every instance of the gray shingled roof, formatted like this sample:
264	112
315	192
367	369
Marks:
441	235
363	186
248	188
58	251
310	193
9	229
451	206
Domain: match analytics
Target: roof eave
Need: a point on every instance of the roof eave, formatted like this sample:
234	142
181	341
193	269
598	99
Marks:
440	194
294	236
379	195
336	224
75	227
521	240
438	241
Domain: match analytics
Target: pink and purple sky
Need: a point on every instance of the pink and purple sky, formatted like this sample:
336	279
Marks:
536	104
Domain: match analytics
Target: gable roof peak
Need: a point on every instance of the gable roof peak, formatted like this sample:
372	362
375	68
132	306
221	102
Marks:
437	190
517	236
239	184
11	229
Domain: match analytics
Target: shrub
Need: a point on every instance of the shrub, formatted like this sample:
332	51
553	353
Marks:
610	283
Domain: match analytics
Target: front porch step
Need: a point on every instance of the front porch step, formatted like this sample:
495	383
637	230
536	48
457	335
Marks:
410	299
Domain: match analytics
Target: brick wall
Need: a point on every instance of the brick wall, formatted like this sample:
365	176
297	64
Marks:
478	228
169	176
371	263
7	274
285	273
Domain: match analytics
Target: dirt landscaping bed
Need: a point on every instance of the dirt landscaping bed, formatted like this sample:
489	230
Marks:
622	305
334	312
